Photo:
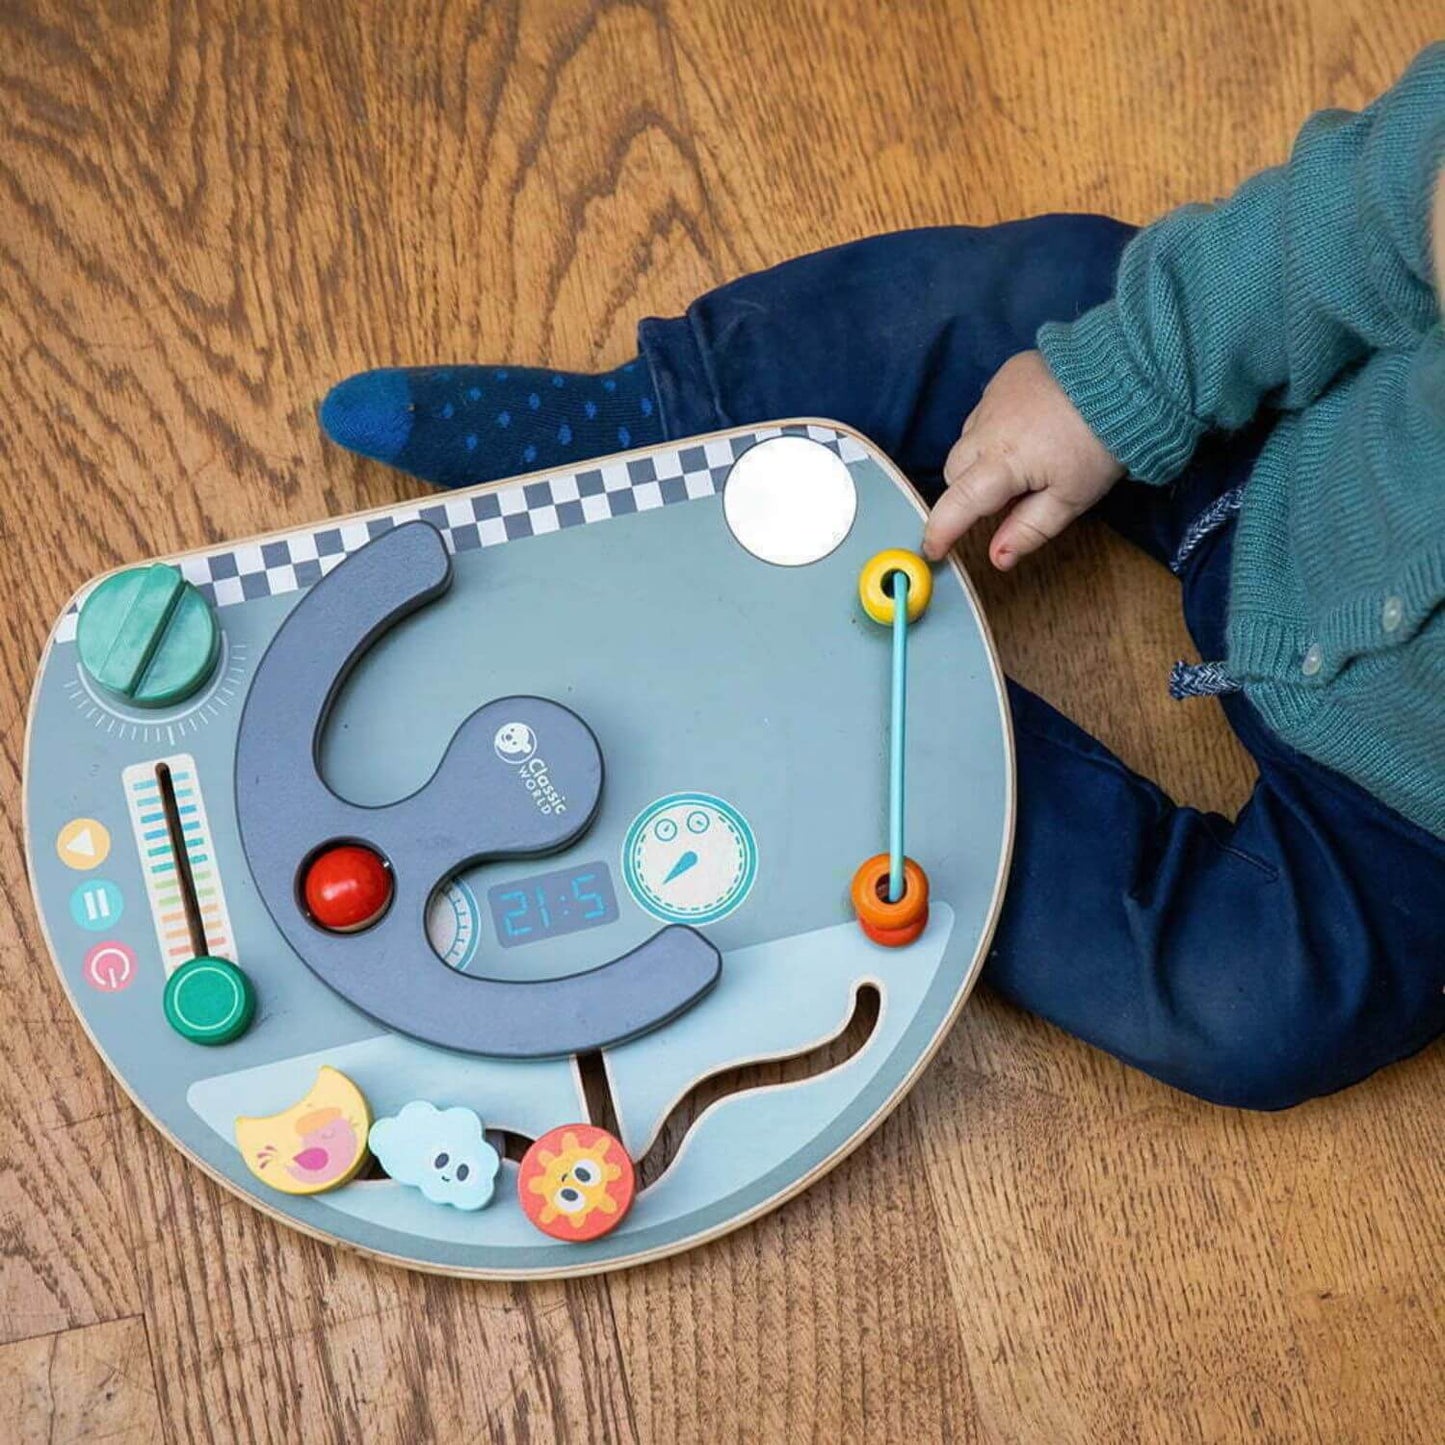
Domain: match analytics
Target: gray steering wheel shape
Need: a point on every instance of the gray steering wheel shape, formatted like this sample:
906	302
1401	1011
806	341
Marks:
478	805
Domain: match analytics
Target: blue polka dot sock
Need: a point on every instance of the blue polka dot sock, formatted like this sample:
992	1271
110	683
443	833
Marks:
458	425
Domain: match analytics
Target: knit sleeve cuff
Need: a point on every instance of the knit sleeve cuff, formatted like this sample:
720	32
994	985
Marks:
1148	434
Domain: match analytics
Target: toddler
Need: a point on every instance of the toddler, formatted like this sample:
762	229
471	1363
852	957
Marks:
1254	393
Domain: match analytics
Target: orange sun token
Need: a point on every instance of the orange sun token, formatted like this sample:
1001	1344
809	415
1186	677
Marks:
576	1183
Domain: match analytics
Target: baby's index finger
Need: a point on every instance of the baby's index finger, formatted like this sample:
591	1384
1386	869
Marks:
979	492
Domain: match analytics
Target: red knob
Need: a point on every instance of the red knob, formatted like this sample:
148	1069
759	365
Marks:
347	888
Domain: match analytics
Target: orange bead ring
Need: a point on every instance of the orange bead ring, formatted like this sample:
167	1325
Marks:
890	924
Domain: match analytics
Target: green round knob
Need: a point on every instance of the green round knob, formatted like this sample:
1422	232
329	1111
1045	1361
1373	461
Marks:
209	1001
148	636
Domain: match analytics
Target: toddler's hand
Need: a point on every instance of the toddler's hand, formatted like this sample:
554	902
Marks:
1023	439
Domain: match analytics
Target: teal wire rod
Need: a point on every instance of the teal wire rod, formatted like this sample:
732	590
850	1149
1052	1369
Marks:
898	725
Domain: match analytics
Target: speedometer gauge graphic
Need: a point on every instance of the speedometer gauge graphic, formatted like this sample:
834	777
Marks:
690	858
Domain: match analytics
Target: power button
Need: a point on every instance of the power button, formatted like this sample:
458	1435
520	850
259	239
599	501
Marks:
109	967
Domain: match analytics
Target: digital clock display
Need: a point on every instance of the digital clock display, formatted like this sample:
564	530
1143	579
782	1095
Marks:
551	904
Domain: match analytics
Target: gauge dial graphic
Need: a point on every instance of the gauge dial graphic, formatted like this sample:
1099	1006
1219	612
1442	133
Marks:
690	858
453	924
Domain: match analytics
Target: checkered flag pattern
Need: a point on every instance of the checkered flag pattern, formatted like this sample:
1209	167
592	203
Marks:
662	477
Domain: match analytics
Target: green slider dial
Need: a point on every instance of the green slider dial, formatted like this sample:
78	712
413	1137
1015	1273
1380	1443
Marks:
147	636
209	1001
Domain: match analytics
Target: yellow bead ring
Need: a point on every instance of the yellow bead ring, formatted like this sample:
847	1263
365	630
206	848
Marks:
875	585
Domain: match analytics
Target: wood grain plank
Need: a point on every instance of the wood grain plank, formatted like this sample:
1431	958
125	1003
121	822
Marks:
84	1384
1154	1268
271	1336
827	1320
67	1258
1115	1216
1352	1187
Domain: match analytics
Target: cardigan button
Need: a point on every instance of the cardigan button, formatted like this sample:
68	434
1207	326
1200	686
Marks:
1314	660
1392	613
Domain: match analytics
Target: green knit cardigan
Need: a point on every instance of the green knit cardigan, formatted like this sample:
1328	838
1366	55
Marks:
1310	293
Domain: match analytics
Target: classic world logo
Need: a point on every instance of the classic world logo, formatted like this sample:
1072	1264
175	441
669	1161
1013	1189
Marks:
516	745
515	742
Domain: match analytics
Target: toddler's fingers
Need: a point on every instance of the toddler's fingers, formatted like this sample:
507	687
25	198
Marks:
961	456
1037	519
980	491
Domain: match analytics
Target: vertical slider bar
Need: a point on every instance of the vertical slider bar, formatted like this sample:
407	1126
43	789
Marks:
156	826
181	852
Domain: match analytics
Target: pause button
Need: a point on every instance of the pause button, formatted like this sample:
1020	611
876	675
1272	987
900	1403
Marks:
96	904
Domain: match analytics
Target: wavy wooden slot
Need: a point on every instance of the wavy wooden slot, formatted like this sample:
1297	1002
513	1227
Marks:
796	1068
740	1078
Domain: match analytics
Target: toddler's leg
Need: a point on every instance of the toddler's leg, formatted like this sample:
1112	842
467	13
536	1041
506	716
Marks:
895	335
1257	962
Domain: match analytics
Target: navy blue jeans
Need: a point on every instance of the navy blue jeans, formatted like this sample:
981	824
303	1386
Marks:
1255	962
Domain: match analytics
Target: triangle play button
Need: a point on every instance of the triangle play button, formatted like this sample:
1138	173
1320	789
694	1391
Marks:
83	843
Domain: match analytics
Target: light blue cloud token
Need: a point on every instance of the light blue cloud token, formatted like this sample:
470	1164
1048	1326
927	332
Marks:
442	1152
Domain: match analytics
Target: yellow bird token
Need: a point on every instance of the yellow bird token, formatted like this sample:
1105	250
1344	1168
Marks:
317	1144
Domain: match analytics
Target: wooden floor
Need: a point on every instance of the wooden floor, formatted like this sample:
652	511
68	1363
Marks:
210	212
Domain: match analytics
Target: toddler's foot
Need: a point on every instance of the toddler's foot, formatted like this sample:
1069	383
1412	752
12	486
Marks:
458	425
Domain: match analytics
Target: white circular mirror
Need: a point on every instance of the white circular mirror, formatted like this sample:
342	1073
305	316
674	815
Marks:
790	500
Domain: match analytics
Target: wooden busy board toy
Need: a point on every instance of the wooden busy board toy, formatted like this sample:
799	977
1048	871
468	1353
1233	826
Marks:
369	853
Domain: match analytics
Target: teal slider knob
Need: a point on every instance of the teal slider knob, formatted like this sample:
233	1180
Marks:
148	636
